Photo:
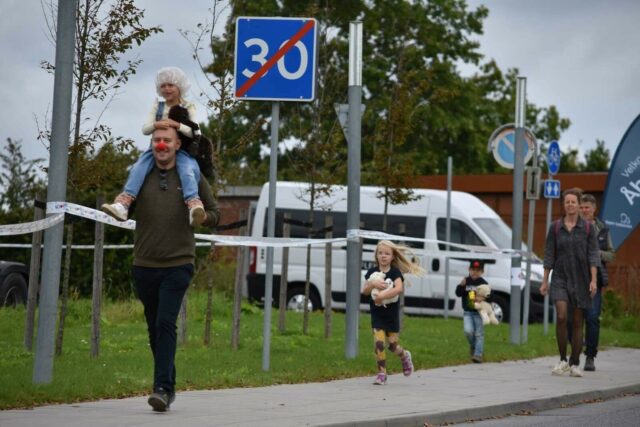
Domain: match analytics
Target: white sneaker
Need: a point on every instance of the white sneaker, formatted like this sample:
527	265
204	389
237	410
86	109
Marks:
575	371
196	215
116	210
561	368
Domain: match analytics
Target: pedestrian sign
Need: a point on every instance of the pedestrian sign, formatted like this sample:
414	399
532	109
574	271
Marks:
553	157
275	59
552	189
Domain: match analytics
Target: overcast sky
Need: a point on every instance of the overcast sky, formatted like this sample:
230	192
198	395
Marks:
580	55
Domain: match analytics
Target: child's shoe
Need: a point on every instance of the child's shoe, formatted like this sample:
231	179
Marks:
197	214
476	359
407	364
119	209
381	379
116	210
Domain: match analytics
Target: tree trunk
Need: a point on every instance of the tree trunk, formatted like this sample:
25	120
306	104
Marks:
328	223
65	290
284	275
96	296
240	277
208	316
34	275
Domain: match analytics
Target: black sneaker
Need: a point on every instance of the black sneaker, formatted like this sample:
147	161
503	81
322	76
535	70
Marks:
589	365
160	400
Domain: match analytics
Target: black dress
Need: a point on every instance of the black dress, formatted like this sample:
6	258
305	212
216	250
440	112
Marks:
386	318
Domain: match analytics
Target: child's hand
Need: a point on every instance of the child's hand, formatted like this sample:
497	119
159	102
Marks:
380	284
378	300
166	124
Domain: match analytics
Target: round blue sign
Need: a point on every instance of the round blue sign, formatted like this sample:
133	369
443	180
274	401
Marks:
553	157
502	143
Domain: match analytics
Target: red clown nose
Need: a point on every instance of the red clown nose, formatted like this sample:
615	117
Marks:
161	146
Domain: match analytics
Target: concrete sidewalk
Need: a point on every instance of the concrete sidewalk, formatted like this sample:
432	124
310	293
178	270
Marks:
451	394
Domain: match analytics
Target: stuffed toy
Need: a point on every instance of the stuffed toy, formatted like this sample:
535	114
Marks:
199	147
483	307
378	275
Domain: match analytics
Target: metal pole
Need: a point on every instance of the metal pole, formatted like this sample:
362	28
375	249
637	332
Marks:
56	191
447	237
353	189
516	235
546	297
530	226
271	232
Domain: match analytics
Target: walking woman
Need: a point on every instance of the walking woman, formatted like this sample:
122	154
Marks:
571	251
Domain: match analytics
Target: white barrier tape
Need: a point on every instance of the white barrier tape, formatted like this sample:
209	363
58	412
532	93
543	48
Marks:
28	246
276	242
480	252
30	227
85	212
60	208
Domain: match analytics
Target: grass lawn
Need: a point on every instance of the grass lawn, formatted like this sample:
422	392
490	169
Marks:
124	367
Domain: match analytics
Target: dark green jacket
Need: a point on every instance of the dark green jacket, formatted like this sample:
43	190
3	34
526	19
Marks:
163	236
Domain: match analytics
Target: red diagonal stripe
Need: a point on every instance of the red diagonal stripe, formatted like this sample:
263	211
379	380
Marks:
271	62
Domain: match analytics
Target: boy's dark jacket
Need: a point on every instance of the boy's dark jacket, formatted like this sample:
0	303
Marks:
469	284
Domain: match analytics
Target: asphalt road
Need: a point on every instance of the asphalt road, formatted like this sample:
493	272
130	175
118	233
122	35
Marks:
620	412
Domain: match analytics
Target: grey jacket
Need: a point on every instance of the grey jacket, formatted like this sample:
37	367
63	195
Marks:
570	255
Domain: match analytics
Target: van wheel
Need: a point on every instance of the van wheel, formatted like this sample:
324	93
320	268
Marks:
500	305
295	299
13	290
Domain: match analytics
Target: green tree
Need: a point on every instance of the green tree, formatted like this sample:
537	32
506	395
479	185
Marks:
597	159
105	31
19	179
413	90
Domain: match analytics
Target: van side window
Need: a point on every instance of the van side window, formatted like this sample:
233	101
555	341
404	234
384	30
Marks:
460	233
300	219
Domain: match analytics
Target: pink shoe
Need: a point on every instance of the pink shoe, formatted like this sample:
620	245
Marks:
381	379
407	364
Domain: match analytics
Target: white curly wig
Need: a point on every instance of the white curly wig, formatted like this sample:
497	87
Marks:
173	75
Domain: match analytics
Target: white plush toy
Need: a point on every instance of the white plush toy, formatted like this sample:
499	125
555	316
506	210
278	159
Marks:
483	307
378	275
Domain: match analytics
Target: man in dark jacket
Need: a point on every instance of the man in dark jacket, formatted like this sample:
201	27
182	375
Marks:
607	254
164	255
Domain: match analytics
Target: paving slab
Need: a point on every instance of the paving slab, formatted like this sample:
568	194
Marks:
435	396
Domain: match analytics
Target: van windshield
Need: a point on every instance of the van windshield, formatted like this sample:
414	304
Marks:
498	231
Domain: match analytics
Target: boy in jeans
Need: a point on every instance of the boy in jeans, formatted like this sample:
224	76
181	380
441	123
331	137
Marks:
473	328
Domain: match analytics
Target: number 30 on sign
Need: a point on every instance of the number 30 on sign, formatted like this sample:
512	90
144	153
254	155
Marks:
275	59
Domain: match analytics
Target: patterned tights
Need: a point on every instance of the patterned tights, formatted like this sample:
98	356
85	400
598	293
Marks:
379	336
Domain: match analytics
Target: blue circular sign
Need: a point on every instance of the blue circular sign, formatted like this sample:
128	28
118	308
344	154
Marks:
502	144
553	157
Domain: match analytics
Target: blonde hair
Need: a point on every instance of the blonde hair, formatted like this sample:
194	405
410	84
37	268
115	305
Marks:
400	260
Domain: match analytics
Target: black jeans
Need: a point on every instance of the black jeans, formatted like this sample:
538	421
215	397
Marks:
161	291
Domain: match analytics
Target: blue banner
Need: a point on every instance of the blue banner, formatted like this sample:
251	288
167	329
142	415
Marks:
621	206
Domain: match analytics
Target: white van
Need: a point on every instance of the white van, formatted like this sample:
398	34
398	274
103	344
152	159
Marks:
472	223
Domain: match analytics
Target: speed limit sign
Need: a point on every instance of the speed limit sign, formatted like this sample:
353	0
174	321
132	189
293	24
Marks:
275	59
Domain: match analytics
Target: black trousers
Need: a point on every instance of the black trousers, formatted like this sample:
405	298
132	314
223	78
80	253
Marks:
161	291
